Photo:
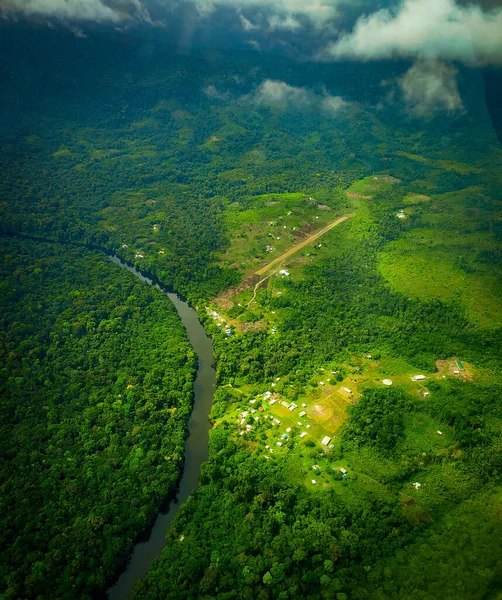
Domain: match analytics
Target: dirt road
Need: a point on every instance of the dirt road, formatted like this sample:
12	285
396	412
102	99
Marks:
301	245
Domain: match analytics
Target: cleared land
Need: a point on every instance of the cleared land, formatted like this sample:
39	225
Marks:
301	245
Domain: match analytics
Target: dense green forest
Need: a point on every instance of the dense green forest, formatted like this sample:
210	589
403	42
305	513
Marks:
149	150
96	386
173	161
370	534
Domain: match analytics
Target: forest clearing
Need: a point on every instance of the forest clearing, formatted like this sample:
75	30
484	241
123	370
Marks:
301	245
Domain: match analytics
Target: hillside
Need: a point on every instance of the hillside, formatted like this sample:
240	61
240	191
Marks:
355	451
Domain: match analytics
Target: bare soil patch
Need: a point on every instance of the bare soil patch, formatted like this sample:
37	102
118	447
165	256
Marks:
258	326
224	300
449	366
354	195
322	412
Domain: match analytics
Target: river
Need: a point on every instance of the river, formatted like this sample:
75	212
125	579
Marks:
196	445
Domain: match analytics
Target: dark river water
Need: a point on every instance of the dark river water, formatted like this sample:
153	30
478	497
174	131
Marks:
196	445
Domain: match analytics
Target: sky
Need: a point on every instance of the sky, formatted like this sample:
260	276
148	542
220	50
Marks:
436	36
451	30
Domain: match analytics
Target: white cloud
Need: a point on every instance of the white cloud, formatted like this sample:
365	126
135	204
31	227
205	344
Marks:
278	14
333	104
430	87
255	44
215	94
246	24
425	29
77	10
284	22
279	94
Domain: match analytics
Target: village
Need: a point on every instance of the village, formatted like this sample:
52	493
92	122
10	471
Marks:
272	425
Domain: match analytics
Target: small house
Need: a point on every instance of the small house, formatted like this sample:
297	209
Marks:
347	390
303	434
278	443
302	414
418	377
325	440
343	471
460	365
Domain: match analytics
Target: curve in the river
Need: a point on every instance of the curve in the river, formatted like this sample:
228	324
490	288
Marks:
196	445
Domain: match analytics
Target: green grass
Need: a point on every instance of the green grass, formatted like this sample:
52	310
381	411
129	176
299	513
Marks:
372	184
430	273
256	222
443	254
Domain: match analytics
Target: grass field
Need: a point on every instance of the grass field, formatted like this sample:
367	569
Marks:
261	228
445	254
441	254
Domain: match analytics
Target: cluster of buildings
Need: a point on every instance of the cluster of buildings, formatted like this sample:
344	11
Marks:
220	322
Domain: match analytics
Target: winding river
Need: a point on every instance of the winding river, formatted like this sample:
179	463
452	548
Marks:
196	445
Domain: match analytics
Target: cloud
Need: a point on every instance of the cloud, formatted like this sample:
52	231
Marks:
429	87
284	22
281	95
277	14
255	44
97	11
246	24
278	94
214	94
333	104
425	29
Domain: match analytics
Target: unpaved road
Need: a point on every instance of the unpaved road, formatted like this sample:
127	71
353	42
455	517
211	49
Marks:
257	286
301	245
